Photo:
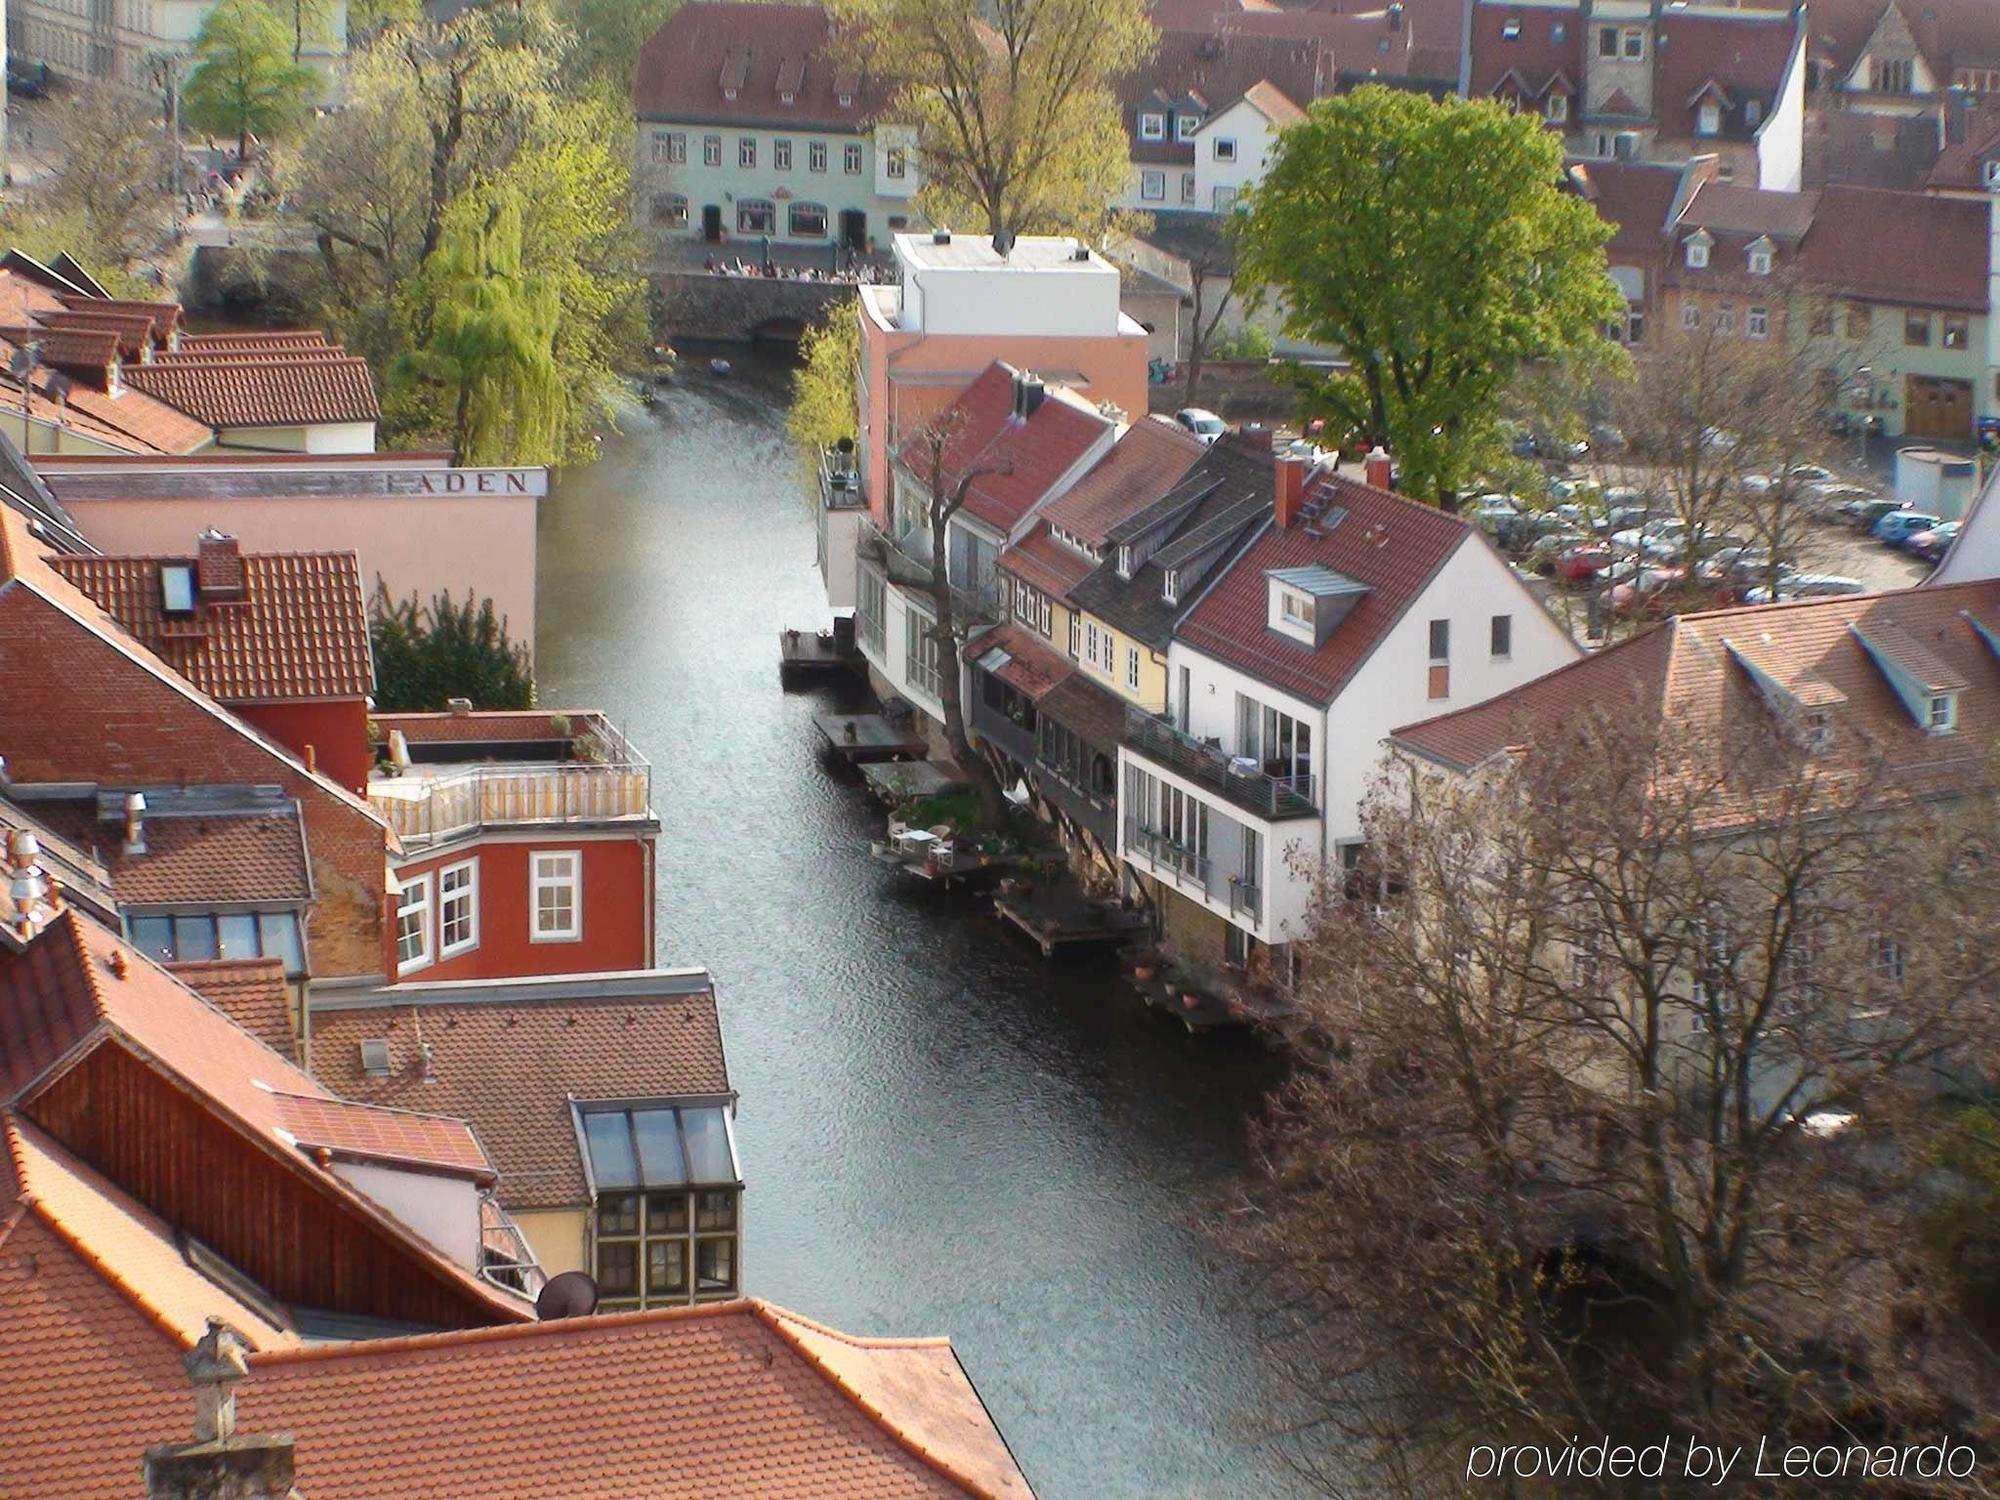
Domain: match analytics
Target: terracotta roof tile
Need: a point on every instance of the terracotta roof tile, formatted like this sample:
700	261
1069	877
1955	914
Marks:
1032	666
679	76
1045	563
1950	33
374	1132
1220	62
251	992
1691	673
1020	460
131	420
1394	546
1910	248
197	860
510	1067
1743	51
297	629
1634	198
734	1401
487	725
1143	465
1534	55
255	391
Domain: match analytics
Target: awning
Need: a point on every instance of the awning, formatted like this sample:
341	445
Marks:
1018	657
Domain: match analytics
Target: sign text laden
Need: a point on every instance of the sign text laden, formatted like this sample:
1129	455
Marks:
468	482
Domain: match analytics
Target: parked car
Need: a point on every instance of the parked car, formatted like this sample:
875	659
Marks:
1203	423
1621	517
1583	562
1811	474
1898	526
1311	452
1544	551
1662	537
1930	545
1832	499
1863	514
1795	585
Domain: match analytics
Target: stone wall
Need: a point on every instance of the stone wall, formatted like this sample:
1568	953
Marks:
700	305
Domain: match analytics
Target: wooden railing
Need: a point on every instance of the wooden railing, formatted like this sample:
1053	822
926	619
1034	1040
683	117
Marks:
421	808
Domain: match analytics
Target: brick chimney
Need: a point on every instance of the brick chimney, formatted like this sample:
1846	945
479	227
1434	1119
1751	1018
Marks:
1291	490
219	1465
1378	470
218	569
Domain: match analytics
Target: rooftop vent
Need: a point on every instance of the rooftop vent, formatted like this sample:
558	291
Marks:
375	1057
460	707
940	236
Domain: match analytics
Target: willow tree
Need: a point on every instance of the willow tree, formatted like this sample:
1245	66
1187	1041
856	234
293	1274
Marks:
1012	101
489	351
825	405
1430	241
245	80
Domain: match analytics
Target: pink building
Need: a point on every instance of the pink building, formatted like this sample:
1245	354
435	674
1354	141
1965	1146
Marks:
1047	305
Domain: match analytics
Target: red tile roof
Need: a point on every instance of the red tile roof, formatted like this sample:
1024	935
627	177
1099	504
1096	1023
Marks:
1910	248
1033	666
261	340
509	1067
262	391
680	74
294	627
1950	33
1045	563
1634	198
251	992
489	725
199	860
1142	466
1961	165
733	1401
1218	63
1017	461
1743	51
1394	546
1535	55
132	420
1690	673
371	1132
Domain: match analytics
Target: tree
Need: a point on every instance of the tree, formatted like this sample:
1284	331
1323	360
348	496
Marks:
491	345
1633	1046
609	34
947	486
428	655
116	190
245	82
310	22
1012	102
1429	241
825	388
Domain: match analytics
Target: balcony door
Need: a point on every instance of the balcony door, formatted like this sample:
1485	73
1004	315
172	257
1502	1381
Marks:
1281	744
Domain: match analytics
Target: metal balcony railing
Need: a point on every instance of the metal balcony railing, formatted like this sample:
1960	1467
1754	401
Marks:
1274	797
839	481
423	809
1246	899
1162	853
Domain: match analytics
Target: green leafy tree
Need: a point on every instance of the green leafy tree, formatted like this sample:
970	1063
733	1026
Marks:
427	655
246	81
825	405
609	34
490	350
1430	242
1013	101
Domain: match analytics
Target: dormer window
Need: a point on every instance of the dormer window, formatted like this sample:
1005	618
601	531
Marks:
1510	29
1152	127
788	97
1557	110
1295	608
177	588
1698	245
1185	125
1709	119
1943	715
1816	728
1170	586
846	101
1753	111
1760	258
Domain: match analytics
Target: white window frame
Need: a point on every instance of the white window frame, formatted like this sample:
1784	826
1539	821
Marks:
711	151
419	886
1152	127
1942	715
850	159
815	156
1697	253
1760	263
781	155
895	163
1187	187
1557	112
1708	119
1132	668
470	895
1224	148
1186	125
1295	608
1153	185
746	151
1757	322
537	882
1633	44
1225	198
1690	313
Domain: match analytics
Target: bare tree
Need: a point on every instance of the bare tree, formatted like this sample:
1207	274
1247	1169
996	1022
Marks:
1212	291
1633	1045
114	177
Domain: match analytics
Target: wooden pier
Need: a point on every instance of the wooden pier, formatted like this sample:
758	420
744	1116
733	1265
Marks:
813	656
947	863
1207	1006
861	738
1060	917
895	782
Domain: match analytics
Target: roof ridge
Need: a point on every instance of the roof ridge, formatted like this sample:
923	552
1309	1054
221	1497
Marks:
766	1314
499	1332
858	1340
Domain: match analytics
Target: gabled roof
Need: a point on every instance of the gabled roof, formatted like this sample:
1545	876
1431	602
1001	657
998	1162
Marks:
1742	52
132	421
1949	33
251	992
1021	659
370	1132
1392	546
1042	562
735	1399
1547	42
1704	673
1911	248
294	627
204	848
1142	465
508	1056
298	390
1270	101
1961	165
683	67
1221	64
1019	461
1634	198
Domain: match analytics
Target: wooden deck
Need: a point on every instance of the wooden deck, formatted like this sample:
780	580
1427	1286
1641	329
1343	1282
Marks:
809	656
946	867
1206	1006
897	781
1056	916
861	738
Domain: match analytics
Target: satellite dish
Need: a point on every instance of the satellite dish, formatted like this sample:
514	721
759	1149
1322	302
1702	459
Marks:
571	1295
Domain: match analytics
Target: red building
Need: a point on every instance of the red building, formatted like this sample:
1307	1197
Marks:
527	844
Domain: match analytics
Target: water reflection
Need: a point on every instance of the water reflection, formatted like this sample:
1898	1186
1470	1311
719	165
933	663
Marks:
941	1132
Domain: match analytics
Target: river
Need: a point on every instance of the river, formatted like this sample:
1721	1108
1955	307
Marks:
941	1133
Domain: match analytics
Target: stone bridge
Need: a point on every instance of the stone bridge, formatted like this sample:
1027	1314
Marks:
700	305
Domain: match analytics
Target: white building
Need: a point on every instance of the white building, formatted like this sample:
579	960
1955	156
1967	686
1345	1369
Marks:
136	42
1351	612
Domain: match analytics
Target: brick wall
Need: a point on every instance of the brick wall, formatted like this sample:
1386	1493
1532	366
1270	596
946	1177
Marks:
75	708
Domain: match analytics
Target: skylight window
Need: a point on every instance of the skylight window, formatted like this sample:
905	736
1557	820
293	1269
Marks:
177	588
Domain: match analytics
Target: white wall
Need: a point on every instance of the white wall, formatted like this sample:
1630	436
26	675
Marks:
1244	124
1076	299
1781	138
444	1210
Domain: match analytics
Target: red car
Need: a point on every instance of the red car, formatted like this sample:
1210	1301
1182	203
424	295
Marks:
1583	562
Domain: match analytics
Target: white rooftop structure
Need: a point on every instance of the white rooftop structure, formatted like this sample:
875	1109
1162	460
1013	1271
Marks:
1047	285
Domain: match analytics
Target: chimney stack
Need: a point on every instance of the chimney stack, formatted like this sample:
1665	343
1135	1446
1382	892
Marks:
1378	470
219	1465
1028	393
1291	490
135	822
218	569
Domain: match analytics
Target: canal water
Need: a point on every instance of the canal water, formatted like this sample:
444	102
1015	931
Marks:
941	1133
